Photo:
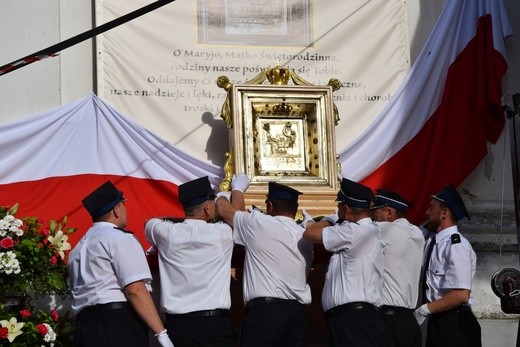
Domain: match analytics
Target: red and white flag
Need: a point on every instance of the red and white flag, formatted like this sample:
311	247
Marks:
432	133
51	161
435	130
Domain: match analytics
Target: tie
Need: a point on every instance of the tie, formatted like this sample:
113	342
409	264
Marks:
426	266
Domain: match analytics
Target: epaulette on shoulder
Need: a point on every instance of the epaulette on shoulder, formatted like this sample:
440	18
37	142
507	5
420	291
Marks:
123	230
455	238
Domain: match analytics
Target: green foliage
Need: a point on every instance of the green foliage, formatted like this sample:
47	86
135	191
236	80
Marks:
33	263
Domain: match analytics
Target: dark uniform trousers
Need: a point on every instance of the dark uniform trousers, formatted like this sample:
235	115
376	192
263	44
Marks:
274	322
355	324
401	328
113	324
208	328
453	328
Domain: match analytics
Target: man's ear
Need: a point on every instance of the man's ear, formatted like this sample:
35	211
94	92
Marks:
268	206
115	211
206	209
445	213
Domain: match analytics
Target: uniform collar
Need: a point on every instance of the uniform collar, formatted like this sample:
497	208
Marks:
194	221
366	220
444	233
401	221
103	223
284	218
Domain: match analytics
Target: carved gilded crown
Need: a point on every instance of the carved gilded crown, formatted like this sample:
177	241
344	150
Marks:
282	108
278	75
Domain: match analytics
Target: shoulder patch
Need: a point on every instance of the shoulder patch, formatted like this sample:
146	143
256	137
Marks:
455	238
123	230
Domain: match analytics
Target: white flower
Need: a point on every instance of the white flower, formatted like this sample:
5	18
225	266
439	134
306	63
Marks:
9	218
11	225
59	240
13	327
19	232
4	226
9	264
50	336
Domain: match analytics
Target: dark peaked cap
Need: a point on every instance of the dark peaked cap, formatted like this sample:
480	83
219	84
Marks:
391	199
102	199
452	198
195	192
355	194
279	191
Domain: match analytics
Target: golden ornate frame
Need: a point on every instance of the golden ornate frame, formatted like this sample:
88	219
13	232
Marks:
281	132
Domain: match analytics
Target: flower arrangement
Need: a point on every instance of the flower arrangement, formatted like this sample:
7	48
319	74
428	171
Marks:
33	263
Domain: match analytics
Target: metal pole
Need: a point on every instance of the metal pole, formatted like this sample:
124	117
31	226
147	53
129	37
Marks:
512	108
54	49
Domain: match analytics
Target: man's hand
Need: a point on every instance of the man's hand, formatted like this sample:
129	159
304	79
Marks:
164	339
227	195
422	313
331	218
240	182
306	218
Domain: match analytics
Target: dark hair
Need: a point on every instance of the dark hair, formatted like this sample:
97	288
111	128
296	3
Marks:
102	217
442	204
358	211
400	213
284	206
194	210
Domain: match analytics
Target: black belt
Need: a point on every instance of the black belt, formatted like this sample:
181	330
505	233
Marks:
103	307
205	313
391	310
269	300
459	309
351	306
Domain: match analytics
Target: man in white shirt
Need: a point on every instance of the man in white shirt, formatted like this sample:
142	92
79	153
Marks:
108	272
276	265
404	245
353	285
450	265
195	267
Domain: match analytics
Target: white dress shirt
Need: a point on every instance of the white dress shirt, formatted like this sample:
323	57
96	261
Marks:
355	271
277	258
194	264
404	246
103	262
452	264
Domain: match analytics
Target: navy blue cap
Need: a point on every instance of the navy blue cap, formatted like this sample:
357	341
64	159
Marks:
355	194
195	192
452	198
102	199
389	198
279	191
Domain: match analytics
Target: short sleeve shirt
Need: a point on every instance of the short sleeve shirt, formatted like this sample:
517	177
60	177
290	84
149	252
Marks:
104	261
452	264
194	264
277	257
355	271
404	245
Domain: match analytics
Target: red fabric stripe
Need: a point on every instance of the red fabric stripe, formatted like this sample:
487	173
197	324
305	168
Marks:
53	198
453	141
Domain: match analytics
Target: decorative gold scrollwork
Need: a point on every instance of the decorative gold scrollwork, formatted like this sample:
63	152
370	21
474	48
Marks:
225	113
225	184
277	75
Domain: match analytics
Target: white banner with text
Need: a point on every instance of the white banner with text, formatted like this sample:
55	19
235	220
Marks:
161	69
